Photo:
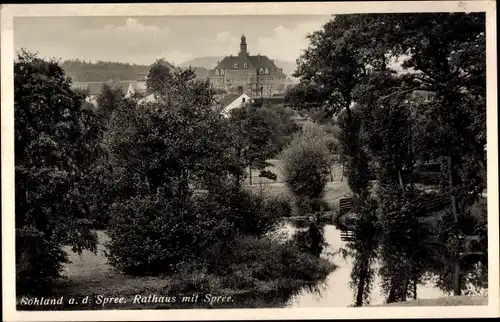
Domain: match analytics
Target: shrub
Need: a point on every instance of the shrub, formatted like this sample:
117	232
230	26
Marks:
147	236
311	240
279	205
39	262
306	163
254	269
248	212
152	235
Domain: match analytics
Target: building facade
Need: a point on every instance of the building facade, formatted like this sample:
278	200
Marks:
257	75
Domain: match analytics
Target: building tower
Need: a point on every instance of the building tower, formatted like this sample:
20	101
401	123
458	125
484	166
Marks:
243	46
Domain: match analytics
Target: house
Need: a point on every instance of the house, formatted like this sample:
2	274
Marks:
232	101
148	98
94	89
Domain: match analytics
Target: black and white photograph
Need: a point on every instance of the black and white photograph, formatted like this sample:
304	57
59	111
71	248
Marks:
242	157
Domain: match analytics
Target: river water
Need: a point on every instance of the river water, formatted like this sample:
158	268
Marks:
336	290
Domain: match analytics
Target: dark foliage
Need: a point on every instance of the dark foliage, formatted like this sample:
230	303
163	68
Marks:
56	145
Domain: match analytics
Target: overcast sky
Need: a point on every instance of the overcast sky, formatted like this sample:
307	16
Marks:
177	38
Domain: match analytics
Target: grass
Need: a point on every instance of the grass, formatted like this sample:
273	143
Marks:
444	301
277	166
91	275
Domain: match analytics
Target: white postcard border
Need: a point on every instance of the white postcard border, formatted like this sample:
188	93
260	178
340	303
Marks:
312	8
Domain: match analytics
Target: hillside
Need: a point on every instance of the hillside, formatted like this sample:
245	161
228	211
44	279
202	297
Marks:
211	62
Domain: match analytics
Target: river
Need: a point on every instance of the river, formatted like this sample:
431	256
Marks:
336	291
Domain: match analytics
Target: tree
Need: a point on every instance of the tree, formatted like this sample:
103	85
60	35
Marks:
451	65
107	101
159	77
305	167
287	125
256	136
329	71
56	143
159	151
447	64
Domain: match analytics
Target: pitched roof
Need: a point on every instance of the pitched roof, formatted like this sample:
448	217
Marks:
262	61
201	72
235	62
253	62
228	99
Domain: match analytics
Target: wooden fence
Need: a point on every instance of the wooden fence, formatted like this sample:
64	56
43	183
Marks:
430	204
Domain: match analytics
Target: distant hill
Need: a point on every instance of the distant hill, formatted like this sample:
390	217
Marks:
211	62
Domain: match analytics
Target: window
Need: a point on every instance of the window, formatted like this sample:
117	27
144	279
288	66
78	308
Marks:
222	71
267	71
243	100
245	65
261	71
236	65
216	72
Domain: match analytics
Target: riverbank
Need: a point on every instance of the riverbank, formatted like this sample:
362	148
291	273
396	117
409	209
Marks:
444	301
266	272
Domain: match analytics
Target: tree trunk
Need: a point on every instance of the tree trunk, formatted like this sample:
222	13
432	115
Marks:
250	173
392	293
415	289
405	288
456	268
401	184
361	283
331	173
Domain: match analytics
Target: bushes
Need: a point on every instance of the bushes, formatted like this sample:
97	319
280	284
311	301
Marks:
305	167
279	205
152	235
255	266
39	262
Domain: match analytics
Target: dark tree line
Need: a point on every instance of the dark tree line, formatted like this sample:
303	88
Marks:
101	71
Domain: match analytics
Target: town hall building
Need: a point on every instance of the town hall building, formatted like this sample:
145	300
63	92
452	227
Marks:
257	75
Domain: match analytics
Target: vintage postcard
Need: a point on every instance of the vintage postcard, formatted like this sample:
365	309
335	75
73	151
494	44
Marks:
249	161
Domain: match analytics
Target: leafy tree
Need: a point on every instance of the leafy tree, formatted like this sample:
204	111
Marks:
56	143
159	77
451	65
159	152
336	68
107	101
305	167
255	137
287	124
329	71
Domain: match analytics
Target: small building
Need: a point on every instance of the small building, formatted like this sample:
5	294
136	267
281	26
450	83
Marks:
148	98
232	101
94	89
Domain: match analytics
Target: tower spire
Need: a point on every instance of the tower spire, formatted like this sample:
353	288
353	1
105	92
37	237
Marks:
243	46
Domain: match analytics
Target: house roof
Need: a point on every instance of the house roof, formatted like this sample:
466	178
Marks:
228	99
201	72
253	62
